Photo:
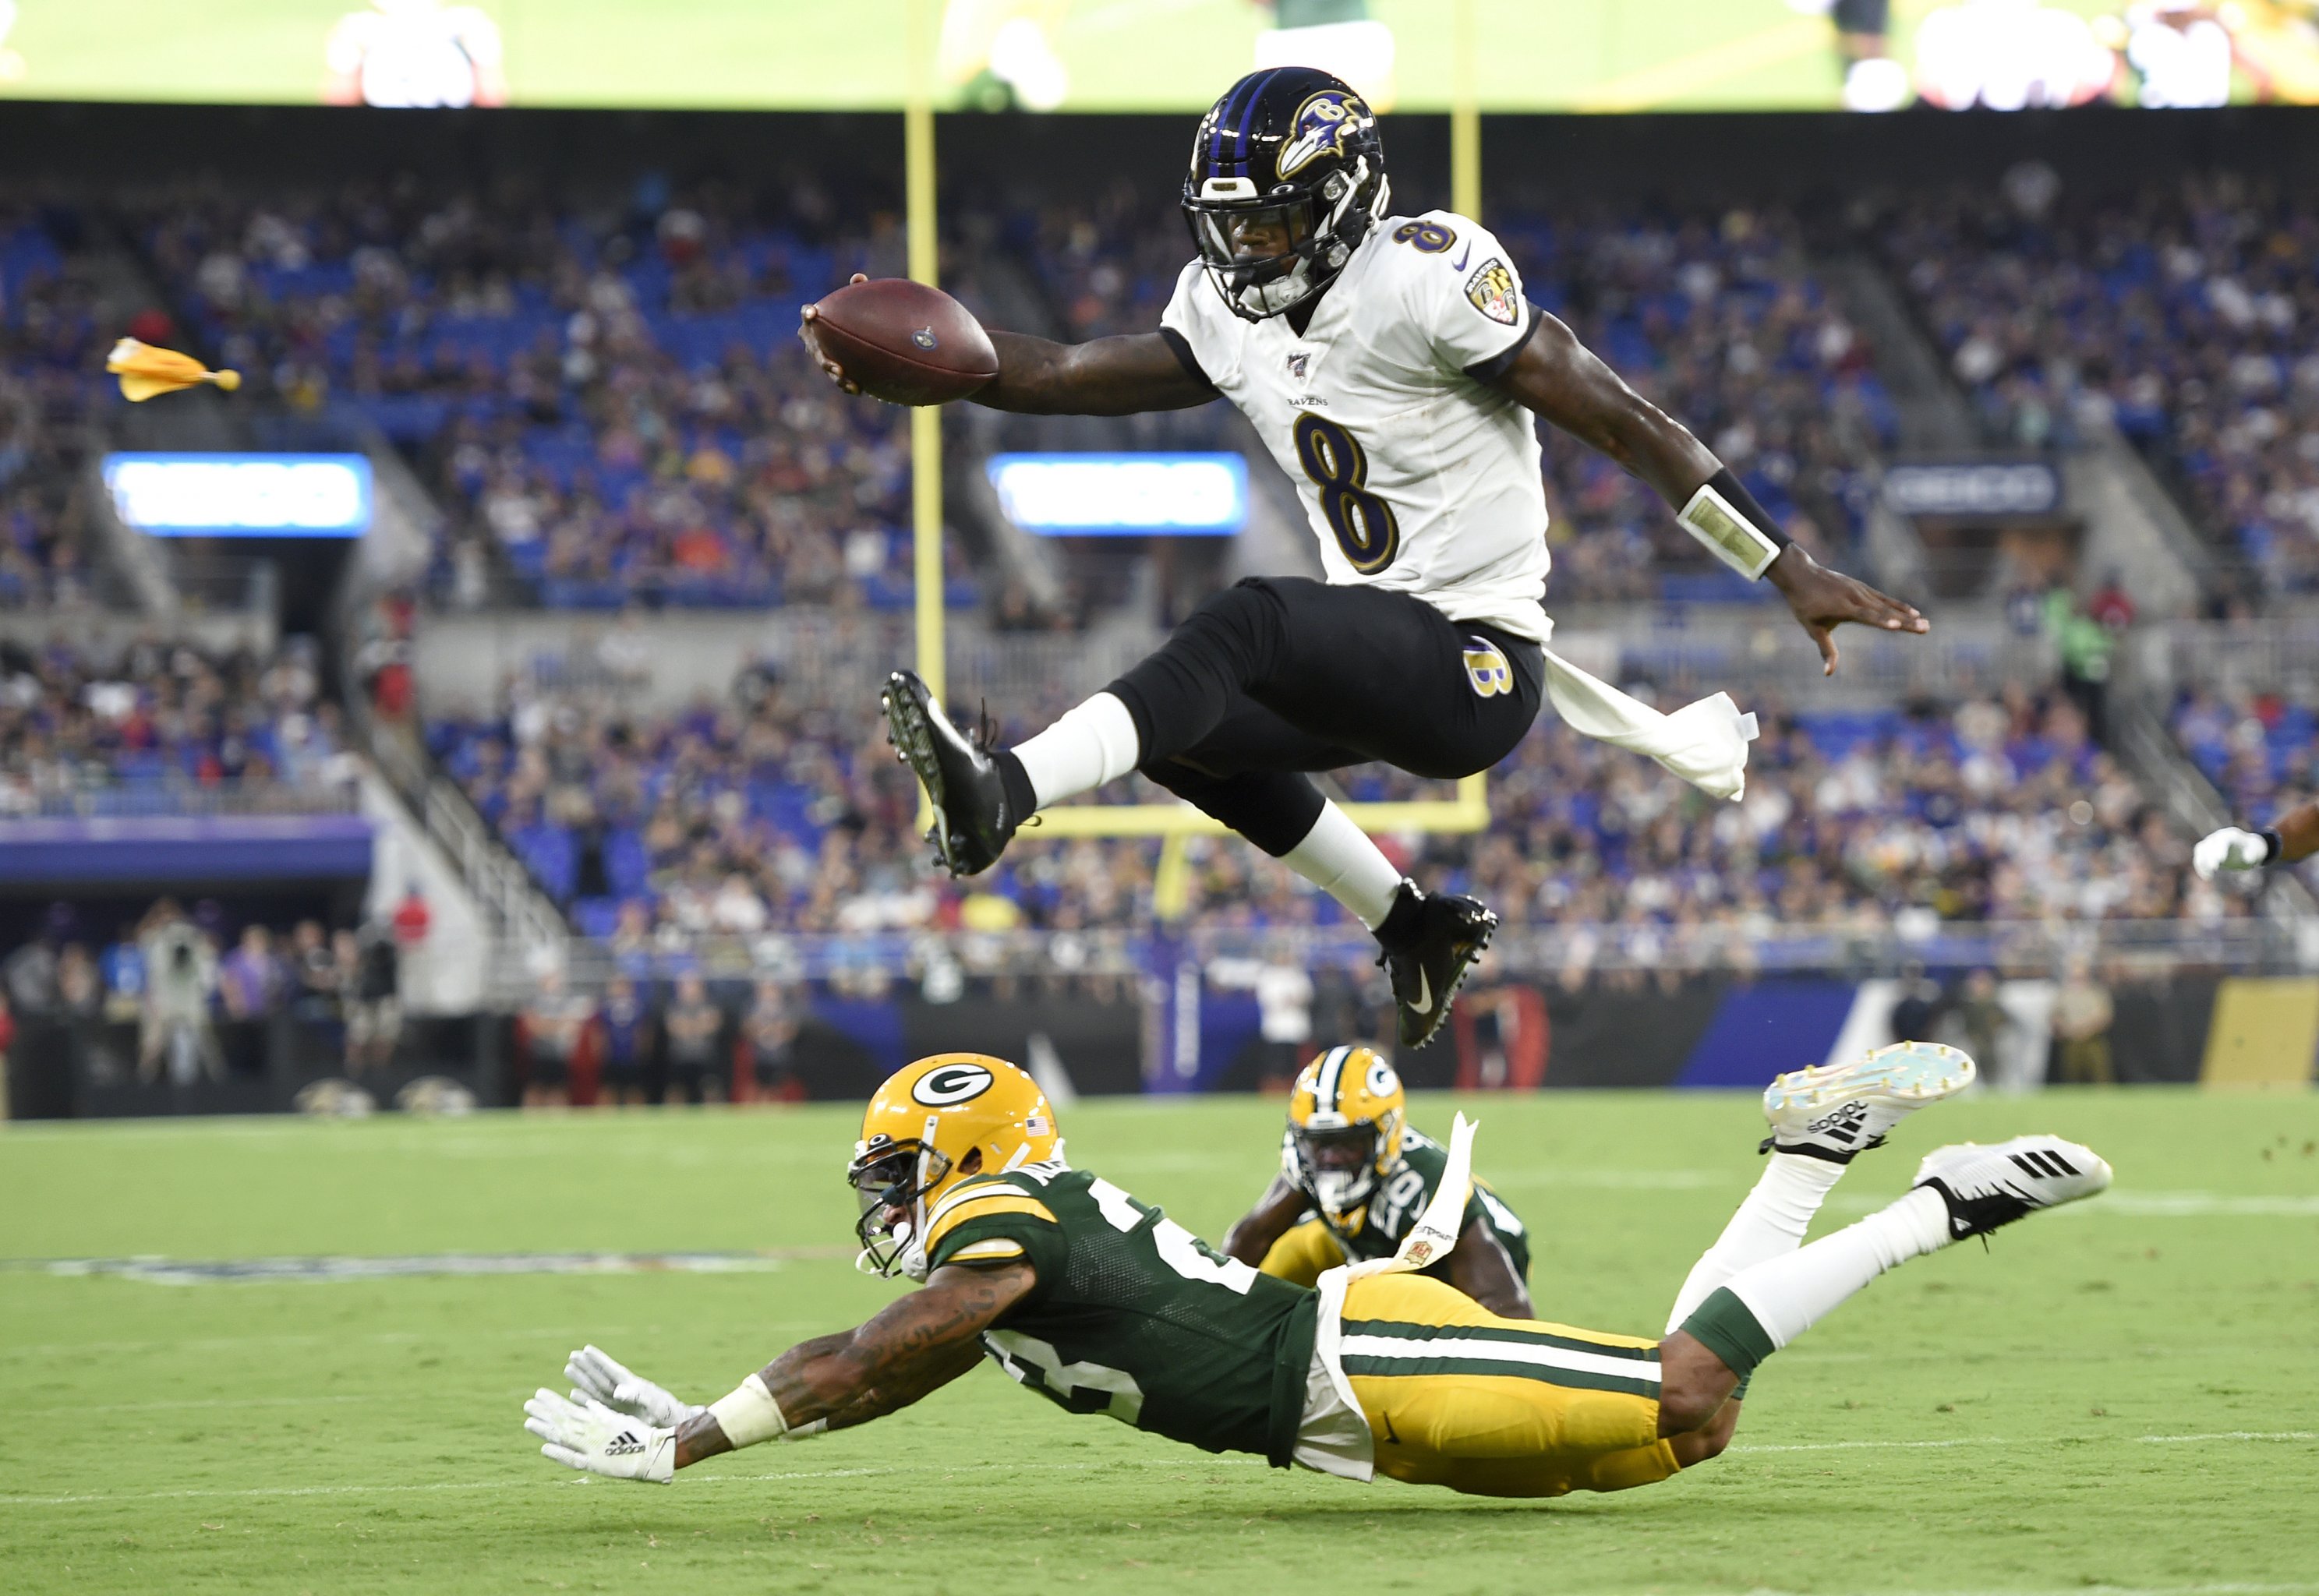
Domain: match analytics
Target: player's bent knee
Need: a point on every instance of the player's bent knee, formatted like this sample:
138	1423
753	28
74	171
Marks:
1693	1386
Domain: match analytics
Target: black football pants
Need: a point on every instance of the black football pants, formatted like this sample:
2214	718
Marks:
1281	676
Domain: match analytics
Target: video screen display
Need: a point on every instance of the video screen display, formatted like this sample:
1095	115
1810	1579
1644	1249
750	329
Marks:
211	495
1604	56
1134	495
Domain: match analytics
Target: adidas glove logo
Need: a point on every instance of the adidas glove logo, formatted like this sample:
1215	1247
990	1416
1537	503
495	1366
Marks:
623	1445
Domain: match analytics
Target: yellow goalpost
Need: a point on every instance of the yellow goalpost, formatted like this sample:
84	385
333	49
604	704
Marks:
1469	810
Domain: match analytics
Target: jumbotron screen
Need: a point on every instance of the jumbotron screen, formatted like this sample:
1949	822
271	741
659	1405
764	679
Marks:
1164	55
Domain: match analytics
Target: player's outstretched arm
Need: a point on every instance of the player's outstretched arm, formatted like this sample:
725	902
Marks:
2295	838
1114	376
1560	379
1274	1214
1481	1267
916	1346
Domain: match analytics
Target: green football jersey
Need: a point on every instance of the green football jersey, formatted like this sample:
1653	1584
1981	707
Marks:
1133	1315
1376	1229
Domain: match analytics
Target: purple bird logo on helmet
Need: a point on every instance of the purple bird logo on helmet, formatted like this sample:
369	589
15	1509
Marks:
1321	124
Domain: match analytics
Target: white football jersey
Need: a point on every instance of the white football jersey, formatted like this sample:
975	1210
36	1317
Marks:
1416	477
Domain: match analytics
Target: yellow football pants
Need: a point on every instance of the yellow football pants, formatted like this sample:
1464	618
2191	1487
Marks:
1457	1396
1302	1255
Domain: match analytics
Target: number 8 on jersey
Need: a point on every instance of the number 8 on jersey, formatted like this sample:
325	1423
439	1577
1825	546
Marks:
1364	523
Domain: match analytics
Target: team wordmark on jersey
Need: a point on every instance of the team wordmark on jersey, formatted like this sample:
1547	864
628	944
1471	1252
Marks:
1491	290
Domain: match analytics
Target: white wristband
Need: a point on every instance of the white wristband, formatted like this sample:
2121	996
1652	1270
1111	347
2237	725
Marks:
1731	536
749	1414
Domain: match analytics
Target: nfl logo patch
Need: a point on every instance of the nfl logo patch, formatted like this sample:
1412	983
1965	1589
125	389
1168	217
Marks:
1491	290
1298	362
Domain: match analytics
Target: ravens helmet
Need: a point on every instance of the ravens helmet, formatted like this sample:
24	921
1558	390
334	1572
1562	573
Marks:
1346	1114
1287	176
932	1124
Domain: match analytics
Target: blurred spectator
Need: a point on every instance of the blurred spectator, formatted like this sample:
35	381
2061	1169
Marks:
181	978
251	979
370	976
692	1032
30	977
555	1024
316	975
1917	1009
81	986
1982	1021
769	1032
2083	1015
628	1028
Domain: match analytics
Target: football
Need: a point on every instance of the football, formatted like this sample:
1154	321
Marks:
904	342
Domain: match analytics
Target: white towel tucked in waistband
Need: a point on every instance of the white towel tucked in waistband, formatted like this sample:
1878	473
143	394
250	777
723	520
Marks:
1705	744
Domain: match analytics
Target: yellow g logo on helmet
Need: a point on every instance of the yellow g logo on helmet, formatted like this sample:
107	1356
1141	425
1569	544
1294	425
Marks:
1486	668
932	1124
1344	1094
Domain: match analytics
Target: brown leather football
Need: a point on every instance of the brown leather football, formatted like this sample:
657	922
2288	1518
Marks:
904	342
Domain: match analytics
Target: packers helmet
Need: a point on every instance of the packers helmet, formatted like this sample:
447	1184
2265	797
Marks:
933	1124
1346	1114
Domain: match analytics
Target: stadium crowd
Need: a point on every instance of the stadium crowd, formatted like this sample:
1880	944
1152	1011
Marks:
617	408
200	991
616	405
158	727
51	361
734	820
2180	313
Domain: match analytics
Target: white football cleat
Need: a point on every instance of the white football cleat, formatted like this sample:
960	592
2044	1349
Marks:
1833	1111
1986	1187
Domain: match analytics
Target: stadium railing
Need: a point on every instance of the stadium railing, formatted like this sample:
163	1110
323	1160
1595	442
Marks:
1565	953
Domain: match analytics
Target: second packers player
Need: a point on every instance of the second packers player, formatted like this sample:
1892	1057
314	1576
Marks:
1354	1176
1104	1305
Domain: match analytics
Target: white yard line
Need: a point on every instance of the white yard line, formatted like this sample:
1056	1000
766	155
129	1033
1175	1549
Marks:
1182	1465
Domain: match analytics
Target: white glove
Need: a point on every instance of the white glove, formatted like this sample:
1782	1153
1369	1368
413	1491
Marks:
595	1374
586	1435
2229	849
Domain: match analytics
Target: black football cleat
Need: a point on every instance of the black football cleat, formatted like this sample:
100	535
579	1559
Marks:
973	822
1430	945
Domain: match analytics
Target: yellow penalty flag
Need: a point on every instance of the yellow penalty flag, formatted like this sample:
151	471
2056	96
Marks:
145	371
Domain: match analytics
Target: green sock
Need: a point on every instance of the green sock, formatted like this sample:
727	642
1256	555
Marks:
1725	1327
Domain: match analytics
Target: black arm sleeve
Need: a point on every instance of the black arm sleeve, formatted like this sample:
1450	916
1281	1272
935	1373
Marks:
1500	363
1735	494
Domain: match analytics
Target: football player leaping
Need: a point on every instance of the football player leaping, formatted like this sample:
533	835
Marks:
1355	1175
1394	368
1105	1305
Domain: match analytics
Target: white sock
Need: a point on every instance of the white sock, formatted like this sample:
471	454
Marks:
1338	857
1088	745
1790	1294
1769	1225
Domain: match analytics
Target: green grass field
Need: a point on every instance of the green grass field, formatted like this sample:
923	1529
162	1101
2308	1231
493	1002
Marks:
2118	1396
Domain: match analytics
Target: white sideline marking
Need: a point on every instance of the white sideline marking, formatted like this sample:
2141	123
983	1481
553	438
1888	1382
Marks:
551	1484
1998	1441
2138	1205
1181	1465
1972	1440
